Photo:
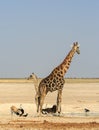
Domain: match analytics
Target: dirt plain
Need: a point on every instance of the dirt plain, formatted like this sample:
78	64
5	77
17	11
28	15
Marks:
76	97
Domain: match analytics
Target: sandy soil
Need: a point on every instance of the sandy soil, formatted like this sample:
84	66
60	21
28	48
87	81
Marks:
76	97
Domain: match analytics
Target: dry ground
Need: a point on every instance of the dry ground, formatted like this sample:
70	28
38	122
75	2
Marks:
76	97
32	125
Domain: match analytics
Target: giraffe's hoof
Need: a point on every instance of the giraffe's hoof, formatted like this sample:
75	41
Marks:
56	114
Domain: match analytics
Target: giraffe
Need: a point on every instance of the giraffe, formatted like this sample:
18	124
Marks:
55	81
35	80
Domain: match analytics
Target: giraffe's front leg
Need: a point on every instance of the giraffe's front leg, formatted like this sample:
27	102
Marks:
59	100
41	100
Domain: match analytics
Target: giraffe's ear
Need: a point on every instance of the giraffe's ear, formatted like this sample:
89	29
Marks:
76	43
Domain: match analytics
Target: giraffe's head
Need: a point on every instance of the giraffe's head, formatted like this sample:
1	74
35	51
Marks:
76	47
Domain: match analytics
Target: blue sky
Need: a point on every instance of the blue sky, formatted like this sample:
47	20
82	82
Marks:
36	35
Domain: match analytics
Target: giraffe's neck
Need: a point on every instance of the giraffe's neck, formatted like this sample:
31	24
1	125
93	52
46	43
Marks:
64	66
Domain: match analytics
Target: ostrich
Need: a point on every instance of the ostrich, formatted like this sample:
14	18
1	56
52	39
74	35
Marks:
18	111
49	110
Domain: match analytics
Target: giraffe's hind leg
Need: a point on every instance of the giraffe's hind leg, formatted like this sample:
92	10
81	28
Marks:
39	98
59	100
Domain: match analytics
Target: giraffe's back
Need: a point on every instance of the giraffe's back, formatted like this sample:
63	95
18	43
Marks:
52	83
